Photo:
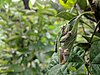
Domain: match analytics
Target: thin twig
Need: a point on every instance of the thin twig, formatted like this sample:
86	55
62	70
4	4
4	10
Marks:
83	29
90	43
92	19
94	32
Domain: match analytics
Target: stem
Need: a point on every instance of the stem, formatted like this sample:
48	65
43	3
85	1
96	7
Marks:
90	1
86	65
92	19
77	19
83	29
90	43
86	13
94	31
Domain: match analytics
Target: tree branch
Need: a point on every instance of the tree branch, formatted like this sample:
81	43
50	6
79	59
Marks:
26	4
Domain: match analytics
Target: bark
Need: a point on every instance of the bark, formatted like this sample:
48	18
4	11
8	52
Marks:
26	4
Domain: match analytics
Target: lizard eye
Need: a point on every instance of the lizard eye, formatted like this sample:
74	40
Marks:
69	33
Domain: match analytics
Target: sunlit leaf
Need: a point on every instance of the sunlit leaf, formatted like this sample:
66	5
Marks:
8	1
68	4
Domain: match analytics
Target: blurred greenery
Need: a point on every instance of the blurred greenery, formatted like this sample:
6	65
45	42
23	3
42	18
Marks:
27	38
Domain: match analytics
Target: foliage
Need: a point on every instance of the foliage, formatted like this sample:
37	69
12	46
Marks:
27	38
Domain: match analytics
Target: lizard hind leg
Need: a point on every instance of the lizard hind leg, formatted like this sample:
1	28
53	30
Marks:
63	55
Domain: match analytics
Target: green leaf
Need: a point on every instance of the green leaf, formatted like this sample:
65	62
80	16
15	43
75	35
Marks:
2	23
81	70
49	53
23	50
65	15
49	12
54	70
5	1
77	55
12	38
16	68
69	3
28	12
85	46
95	38
28	71
1	3
39	6
82	3
31	56
95	69
97	34
33	1
3	16
95	52
54	60
8	1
